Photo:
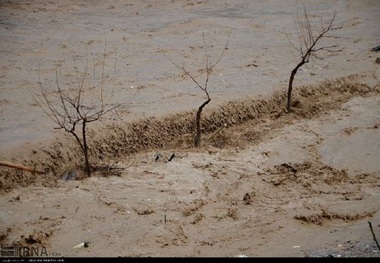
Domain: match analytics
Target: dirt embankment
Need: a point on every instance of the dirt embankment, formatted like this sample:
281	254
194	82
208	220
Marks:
116	142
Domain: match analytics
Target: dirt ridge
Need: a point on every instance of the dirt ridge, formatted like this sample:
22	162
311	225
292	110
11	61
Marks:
118	141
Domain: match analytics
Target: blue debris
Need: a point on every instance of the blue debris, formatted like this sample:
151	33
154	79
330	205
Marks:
69	175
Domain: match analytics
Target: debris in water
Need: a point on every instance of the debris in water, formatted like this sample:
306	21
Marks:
157	156
84	244
171	157
69	175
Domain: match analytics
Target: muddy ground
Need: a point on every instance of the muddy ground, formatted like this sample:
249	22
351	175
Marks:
264	183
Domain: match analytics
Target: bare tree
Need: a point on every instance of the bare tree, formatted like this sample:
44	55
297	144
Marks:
207	70
76	101
373	235
308	37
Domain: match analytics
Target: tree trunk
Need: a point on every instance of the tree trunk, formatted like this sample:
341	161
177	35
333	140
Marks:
290	87
87	167
197	141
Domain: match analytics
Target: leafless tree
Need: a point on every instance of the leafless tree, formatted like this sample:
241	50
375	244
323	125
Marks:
76	100
308	36
207	71
373	235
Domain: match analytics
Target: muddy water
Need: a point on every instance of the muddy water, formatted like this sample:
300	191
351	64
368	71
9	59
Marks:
38	37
